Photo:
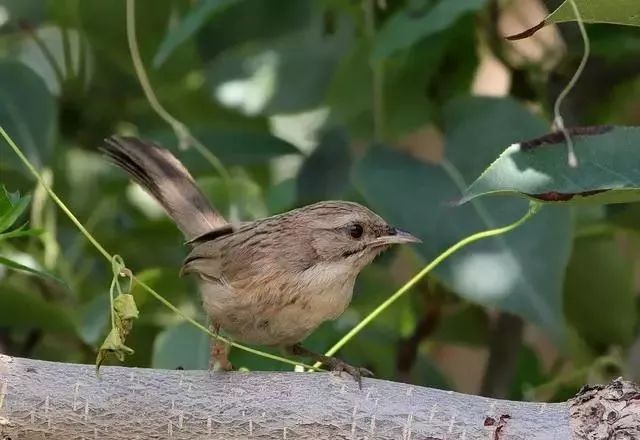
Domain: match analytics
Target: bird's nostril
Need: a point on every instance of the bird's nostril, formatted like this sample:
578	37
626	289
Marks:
391	230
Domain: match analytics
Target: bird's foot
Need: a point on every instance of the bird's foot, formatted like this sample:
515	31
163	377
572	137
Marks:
219	354
337	365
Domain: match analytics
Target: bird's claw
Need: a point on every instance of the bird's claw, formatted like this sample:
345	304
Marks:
338	366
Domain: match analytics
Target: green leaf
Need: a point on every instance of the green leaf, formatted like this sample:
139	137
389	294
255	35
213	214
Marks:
467	325
240	147
599	293
426	372
94	318
325	173
27	113
124	307
253	21
511	272
282	196
625	215
24	310
538	168
9	217
21	232
623	12
21	267
287	75
112	345
529	373
181	345
198	15
408	26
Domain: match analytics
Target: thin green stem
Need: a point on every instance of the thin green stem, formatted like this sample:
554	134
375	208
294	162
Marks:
533	209
557	117
111	260
184	135
53	195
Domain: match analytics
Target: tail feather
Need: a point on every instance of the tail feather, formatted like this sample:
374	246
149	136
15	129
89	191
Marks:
167	180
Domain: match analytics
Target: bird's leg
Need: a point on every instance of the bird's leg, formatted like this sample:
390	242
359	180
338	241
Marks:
333	363
219	351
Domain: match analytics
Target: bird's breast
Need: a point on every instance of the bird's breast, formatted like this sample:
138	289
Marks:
283	310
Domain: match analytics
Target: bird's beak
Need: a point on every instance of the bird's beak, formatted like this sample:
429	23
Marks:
395	236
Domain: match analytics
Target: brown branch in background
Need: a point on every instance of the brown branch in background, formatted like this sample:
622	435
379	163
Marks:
504	349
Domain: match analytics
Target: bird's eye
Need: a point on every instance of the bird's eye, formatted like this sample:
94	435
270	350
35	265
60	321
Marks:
356	230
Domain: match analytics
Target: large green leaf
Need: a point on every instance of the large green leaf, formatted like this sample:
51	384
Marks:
325	173
181	345
27	113
512	272
624	12
412	82
286	75
607	170
625	215
190	24
23	310
242	147
599	293
410	25
253	21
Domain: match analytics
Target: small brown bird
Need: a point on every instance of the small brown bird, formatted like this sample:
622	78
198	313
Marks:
270	281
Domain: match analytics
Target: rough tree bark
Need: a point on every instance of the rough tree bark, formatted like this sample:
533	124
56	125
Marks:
49	400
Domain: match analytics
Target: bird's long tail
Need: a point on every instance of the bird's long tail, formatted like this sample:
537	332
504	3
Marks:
167	180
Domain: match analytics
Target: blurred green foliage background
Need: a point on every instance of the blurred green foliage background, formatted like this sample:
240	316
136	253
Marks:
397	104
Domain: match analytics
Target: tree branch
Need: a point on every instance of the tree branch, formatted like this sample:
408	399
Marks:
41	399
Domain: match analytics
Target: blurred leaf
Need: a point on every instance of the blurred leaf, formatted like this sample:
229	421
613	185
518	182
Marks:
409	25
511	272
599	293
253	21
286	75
235	147
426	373
27	113
624	12
94	319
189	25
468	325
23	310
281	197
181	345
529	373
21	232
39	272
539	168
325	173
413	82
243	193
626	215
21	11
